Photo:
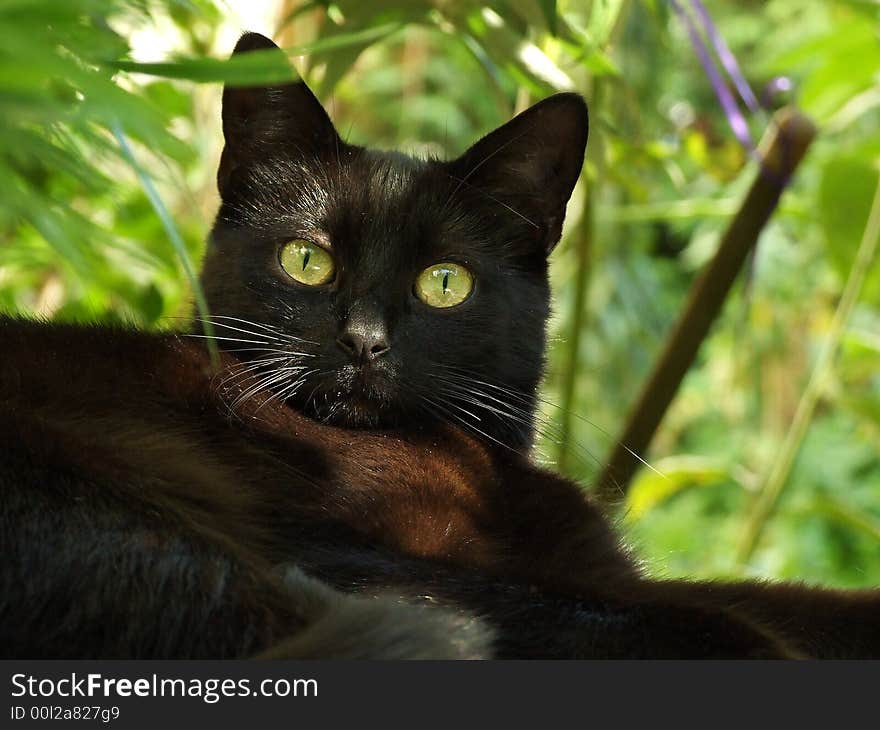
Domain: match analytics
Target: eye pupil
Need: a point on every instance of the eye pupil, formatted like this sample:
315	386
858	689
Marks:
307	263
444	284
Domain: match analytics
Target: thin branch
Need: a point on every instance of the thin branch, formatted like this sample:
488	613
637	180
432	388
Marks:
769	494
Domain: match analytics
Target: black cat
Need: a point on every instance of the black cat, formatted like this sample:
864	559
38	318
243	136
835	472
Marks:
385	321
396	288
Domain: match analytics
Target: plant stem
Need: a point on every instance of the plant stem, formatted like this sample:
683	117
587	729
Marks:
176	240
777	478
584	243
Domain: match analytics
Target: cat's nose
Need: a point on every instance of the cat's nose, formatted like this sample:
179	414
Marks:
363	343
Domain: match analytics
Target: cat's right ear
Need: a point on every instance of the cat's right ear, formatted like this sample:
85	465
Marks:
265	121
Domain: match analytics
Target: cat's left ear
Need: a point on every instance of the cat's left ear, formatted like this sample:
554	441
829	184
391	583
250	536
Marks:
530	165
263	121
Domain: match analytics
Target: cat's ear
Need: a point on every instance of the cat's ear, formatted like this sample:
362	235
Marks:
530	165
261	121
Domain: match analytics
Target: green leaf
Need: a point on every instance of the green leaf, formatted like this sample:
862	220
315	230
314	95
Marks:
848	515
669	477
603	19
548	7
845	197
257	67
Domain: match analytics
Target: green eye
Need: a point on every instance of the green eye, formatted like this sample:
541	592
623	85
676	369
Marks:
307	263
444	285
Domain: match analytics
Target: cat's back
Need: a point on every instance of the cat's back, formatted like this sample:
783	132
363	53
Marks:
100	413
92	363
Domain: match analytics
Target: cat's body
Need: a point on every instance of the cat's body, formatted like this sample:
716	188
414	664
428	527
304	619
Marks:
389	315
155	528
141	520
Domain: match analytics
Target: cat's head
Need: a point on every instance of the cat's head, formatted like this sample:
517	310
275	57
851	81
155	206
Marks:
377	289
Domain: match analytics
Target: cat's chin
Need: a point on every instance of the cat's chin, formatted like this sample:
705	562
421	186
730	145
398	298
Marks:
355	400
356	415
354	412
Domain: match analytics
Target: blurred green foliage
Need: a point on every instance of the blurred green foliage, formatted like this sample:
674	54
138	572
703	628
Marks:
79	237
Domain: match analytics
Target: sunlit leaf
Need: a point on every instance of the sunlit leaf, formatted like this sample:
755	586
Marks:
668	477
